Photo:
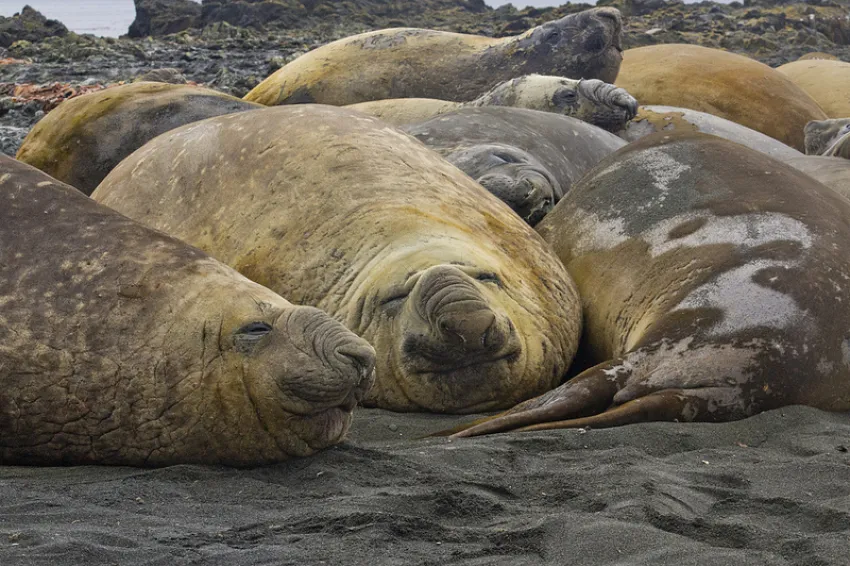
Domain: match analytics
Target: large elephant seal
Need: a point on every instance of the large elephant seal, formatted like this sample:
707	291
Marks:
590	100
818	55
827	82
651	119
421	63
834	172
714	287
467	308
121	345
83	139
721	83
829	138
527	158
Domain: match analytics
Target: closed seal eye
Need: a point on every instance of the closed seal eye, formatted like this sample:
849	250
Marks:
247	337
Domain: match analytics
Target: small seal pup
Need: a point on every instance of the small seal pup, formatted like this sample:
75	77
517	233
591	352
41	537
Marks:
714	287
84	138
422	63
828	82
590	100
651	119
465	305
527	158
724	84
829	138
121	345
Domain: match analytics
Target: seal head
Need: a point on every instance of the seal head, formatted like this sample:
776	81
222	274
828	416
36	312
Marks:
829	138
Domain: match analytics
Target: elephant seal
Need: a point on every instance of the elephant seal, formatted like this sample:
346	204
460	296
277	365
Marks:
466	306
422	63
829	138
590	100
818	55
827	82
527	158
714	287
834	172
651	119
83	139
721	83
121	345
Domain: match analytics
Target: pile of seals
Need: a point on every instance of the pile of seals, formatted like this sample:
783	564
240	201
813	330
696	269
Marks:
463	229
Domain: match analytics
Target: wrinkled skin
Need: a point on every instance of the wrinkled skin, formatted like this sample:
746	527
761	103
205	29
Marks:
713	289
466	307
83	139
513	175
419	63
527	158
120	345
591	100
828	138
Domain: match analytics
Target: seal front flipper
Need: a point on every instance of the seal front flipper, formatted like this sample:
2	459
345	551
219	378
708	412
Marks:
590	393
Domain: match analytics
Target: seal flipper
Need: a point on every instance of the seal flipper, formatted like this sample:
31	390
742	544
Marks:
589	393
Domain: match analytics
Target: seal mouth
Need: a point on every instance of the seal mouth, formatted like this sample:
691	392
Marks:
432	369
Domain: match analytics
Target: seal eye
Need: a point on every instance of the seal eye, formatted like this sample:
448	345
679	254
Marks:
255	329
247	337
566	96
506	157
395	299
488	277
552	35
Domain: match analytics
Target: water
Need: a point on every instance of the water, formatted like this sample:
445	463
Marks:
111	18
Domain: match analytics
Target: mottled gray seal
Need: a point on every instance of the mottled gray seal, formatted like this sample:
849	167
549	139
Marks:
527	158
590	100
121	345
731	86
467	308
829	138
715	288
651	119
84	138
421	63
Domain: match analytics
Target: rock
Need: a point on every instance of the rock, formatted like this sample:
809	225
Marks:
168	75
162	17
29	25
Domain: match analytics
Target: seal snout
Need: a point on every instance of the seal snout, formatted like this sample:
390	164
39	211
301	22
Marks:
462	328
347	361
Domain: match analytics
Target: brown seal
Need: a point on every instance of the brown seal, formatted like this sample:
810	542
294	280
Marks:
421	63
720	83
83	139
713	289
827	82
121	345
466	306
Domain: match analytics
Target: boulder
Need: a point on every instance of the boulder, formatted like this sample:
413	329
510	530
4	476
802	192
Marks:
28	25
162	17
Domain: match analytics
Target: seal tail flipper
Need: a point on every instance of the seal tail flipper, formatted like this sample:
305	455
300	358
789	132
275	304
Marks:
588	393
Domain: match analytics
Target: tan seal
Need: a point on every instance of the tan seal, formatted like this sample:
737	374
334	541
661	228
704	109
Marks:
421	63
466	306
121	345
591	100
713	289
834	172
828	82
720	83
84	138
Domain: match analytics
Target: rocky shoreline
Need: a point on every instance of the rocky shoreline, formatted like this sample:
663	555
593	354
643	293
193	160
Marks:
231	46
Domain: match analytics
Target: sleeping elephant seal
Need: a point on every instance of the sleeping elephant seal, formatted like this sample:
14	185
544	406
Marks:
723	84
421	63
121	345
829	138
84	138
527	158
834	172
590	100
828	82
715	288
651	119
466	306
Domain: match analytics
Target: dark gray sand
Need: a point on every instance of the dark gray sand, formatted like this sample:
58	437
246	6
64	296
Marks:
774	489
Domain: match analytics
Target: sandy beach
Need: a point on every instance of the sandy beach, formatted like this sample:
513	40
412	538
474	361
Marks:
770	490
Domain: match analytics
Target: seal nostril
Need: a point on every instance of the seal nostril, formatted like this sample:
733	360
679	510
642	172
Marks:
362	357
